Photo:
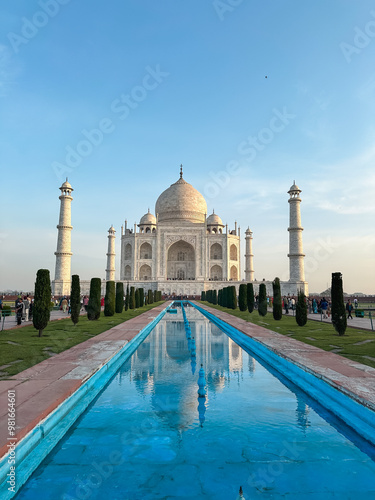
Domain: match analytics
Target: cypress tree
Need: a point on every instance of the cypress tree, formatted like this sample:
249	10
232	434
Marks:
75	299
155	296
219	295
119	297
150	297
242	299
225	296
93	307
301	309
136	295
203	295
214	298
338	307
262	307
250	297
233	297
127	297
141	297
132	298
42	300
110	298
277	308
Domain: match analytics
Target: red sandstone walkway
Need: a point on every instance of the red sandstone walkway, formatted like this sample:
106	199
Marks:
41	388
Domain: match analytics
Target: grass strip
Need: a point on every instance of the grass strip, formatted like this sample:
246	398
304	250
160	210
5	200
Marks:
318	334
21	348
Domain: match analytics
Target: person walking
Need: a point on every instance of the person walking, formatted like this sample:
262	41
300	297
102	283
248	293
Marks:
286	305
64	304
19	310
26	304
349	308
324	307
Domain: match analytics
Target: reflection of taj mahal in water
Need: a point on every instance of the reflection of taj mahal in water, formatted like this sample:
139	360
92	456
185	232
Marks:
167	347
180	251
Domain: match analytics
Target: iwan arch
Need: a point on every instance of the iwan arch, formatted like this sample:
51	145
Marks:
181	251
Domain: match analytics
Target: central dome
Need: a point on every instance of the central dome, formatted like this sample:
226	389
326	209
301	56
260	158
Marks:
181	202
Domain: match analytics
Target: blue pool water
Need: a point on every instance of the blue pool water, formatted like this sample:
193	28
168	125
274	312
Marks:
148	436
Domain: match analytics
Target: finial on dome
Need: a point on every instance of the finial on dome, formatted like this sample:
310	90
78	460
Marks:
148	210
213	210
181	171
66	179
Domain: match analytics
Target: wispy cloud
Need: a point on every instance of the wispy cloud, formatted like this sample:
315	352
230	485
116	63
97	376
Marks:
346	187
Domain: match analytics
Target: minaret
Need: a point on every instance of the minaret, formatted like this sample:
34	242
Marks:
249	267
62	281
111	255
296	255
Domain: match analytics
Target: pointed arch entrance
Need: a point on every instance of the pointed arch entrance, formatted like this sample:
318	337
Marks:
181	261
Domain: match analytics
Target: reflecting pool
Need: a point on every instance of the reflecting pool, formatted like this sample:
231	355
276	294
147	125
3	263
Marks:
148	436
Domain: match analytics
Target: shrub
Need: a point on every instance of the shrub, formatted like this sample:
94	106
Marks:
7	311
338	306
242	301
42	300
136	295
250	297
132	298
301	309
119	297
232	297
75	299
93	307
127	297
277	308
110	298
262	307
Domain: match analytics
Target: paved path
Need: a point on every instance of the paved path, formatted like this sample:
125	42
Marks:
11	323
362	323
41	388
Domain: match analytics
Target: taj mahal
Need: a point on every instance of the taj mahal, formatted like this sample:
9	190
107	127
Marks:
181	250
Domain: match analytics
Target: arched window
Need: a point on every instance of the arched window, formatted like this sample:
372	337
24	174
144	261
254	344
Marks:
128	252
233	252
127	272
216	251
180	274
145	272
233	273
145	251
181	256
216	273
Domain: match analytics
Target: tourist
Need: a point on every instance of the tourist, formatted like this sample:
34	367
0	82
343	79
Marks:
310	306
85	302
349	308
64	304
286	305
315	306
19	310
324	307
26	303
356	302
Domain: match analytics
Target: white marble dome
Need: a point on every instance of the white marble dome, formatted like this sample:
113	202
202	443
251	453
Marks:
214	220
148	218
181	202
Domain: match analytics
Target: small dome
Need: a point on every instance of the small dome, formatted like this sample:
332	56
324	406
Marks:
214	220
66	185
294	187
148	218
111	229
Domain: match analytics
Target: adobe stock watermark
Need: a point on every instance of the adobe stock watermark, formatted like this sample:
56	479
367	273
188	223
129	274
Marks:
223	7
362	38
30	26
121	107
249	148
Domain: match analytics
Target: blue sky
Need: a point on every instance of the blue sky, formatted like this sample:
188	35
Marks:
173	82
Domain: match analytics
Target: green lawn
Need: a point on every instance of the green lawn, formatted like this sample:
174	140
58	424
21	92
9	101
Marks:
21	348
316	333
